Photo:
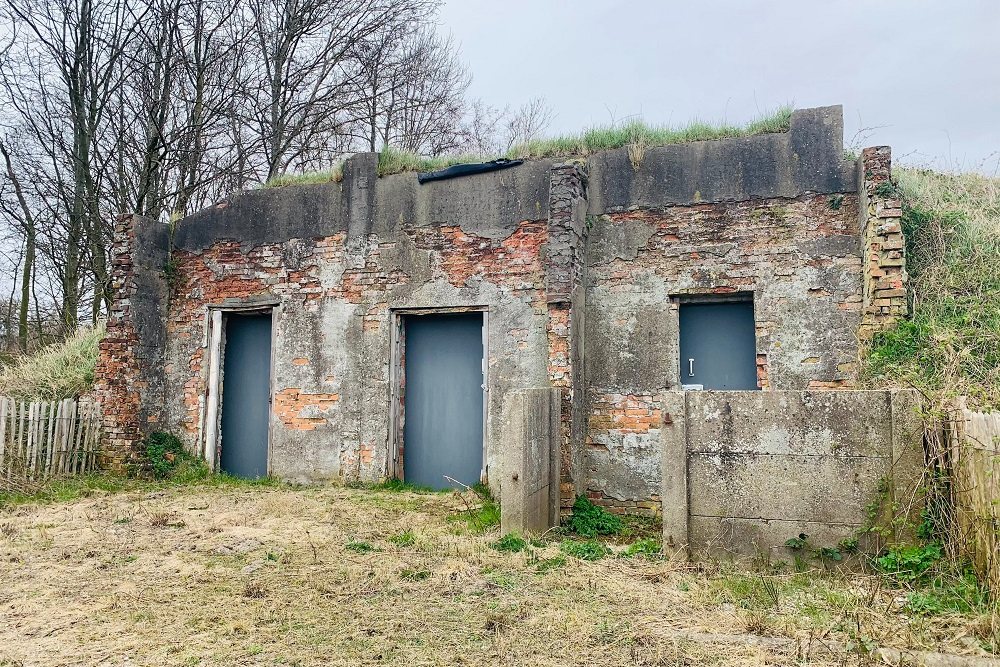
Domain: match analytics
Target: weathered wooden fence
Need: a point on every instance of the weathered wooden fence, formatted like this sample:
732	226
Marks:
39	439
974	446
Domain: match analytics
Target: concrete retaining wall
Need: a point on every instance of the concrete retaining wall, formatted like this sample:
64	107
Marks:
742	472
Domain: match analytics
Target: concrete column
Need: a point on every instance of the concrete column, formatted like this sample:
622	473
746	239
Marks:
674	474
530	471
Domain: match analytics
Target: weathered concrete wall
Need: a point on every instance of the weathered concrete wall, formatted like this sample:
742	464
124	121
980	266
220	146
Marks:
772	216
579	266
745	471
807	158
529	483
799	258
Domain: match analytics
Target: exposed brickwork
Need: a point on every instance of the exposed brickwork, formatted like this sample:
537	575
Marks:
302	275
650	507
129	365
564	274
118	365
302	411
882	235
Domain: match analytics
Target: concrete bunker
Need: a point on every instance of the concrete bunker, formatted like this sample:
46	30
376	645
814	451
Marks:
581	272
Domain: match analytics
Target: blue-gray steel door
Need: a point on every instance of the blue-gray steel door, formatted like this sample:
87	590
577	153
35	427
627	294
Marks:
443	399
718	345
246	395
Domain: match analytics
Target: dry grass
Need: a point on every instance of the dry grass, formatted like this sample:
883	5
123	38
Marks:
262	576
60	370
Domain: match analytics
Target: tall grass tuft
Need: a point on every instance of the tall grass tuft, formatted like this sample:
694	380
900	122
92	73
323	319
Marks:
395	161
950	345
332	175
57	371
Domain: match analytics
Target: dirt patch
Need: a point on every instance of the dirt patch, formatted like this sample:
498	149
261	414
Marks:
263	576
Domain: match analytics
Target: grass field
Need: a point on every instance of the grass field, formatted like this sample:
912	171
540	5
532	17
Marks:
229	574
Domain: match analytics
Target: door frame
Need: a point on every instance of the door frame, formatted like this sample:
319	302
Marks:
678	301
397	384
216	317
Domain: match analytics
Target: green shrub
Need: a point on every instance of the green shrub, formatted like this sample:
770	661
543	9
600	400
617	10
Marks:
585	550
360	547
167	458
510	543
590	520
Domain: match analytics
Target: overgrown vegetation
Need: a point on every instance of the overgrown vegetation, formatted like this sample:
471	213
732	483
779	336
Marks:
639	133
166	457
60	370
635	134
482	510
950	344
590	520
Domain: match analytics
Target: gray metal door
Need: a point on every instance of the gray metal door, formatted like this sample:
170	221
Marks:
718	345
443	399
246	395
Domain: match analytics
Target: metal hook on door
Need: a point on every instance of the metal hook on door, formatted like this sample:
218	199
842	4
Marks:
690	368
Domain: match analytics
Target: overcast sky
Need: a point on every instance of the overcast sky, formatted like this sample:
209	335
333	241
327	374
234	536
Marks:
924	73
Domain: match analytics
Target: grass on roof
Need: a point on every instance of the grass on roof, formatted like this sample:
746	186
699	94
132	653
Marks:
635	134
950	343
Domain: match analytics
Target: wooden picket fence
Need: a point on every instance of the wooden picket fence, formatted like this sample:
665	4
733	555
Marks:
40	439
975	462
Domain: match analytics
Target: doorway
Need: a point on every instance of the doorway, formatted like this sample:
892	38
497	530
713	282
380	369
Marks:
246	395
718	345
443	399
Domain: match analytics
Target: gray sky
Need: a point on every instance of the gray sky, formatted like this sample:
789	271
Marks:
925	73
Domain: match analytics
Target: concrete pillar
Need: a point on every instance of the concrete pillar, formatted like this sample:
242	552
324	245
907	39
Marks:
529	498
674	475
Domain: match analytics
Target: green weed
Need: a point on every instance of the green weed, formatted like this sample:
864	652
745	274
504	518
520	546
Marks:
584	550
361	547
647	547
590	520
404	539
484	515
510	543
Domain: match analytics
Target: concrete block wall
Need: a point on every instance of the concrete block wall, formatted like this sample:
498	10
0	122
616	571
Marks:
745	471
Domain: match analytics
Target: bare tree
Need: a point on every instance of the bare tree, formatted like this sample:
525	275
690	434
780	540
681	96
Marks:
305	80
412	93
492	131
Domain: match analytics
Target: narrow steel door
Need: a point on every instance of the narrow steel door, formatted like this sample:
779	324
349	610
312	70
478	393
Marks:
718	345
443	399
246	395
